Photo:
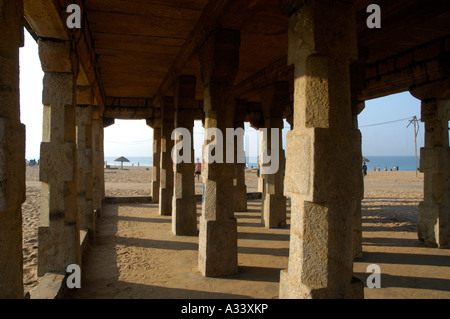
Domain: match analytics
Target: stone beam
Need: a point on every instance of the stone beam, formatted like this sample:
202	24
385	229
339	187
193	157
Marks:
44	18
414	67
47	18
129	108
277	71
230	14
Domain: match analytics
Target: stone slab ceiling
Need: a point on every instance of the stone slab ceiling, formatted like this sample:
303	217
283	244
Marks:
138	43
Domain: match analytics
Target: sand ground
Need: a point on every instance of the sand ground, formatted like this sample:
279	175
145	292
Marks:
135	255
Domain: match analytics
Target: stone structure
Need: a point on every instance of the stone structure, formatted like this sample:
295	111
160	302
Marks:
156	158
240	189
434	210
184	206
166	166
85	165
218	63
219	59
12	152
324	192
59	240
274	99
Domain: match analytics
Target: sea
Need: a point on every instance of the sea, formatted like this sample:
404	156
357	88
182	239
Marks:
404	163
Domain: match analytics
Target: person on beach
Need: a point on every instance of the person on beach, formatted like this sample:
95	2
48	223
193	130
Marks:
364	168
198	169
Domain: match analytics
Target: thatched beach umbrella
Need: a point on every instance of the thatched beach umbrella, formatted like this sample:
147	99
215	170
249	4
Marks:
121	160
365	160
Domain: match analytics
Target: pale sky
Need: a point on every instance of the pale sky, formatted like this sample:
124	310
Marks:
134	137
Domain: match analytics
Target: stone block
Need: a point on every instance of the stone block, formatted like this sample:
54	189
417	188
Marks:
57	162
319	170
58	246
274	211
55	56
12	164
184	216
218	247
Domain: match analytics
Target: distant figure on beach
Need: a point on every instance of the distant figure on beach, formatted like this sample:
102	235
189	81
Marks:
198	169
364	168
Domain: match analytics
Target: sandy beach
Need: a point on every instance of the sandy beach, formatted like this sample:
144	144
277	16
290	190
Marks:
389	215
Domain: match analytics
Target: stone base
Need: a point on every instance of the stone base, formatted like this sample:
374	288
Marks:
58	247
155	192
240	198
184	216
433	229
165	202
274	211
290	288
217	248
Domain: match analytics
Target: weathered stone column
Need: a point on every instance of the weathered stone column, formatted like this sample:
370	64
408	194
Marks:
166	164
155	124
323	162
434	210
97	161
240	189
58	233
219	58
84	162
261	177
274	99
184	206
12	152
102	157
357	76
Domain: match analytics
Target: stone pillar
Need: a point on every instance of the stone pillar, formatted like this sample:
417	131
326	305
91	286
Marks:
58	233
102	157
323	162
219	58
357	76
12	152
85	168
155	124
97	161
434	216
274	99
184	206
261	177
166	164
240	189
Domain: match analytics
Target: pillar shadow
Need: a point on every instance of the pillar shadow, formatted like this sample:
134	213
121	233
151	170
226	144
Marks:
264	236
396	258
389	281
101	275
260	274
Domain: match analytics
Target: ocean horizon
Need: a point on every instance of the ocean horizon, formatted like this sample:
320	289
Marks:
404	163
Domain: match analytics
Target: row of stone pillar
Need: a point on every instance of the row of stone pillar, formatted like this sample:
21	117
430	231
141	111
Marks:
323	176
224	189
71	162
